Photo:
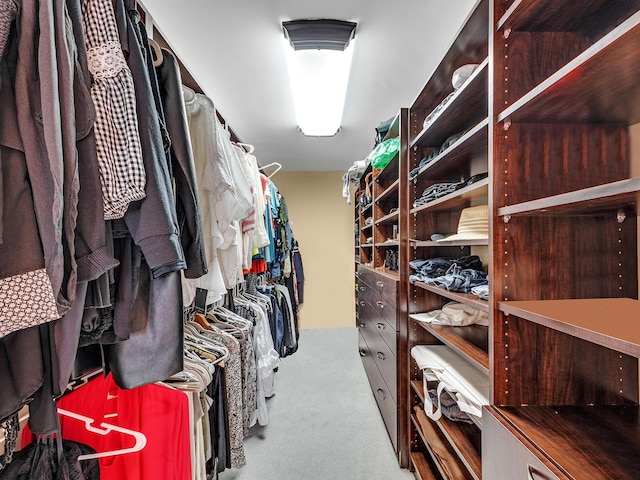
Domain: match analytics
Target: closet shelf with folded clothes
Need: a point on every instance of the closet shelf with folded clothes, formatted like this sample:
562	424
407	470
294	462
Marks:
457	199
466	298
462	108
470	342
454	159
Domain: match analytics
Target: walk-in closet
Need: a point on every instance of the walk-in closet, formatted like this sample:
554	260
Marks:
332	240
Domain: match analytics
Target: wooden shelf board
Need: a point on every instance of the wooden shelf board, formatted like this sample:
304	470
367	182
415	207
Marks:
421	466
465	243
475	355
588	200
388	244
468	106
365	209
457	199
457	156
601	440
388	273
366	245
609	322
466	298
366	227
462	465
542	15
391	189
391	218
390	171
418	388
580	93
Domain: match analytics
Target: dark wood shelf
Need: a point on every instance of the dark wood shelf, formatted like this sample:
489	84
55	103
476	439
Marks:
391	218
601	440
456	437
586	319
453	456
542	15
579	92
390	172
421	468
458	199
466	298
387	244
592	200
366	227
388	273
390	190
448	335
365	209
468	107
455	159
367	245
465	243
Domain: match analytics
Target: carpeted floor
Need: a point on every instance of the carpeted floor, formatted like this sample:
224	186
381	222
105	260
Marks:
323	421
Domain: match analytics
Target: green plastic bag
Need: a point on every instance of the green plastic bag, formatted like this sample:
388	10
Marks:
384	152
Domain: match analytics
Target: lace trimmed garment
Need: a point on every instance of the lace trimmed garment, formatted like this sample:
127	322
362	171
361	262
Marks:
122	172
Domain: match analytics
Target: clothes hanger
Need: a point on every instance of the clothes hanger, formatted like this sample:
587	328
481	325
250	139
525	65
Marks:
104	429
157	52
250	148
272	164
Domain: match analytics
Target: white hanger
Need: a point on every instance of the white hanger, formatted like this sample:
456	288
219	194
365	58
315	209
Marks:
272	164
104	429
250	148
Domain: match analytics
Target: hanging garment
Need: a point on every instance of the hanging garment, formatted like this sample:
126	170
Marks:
122	171
200	116
139	410
183	163
152	221
40	461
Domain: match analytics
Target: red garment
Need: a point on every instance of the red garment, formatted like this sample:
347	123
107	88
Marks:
160	412
258	265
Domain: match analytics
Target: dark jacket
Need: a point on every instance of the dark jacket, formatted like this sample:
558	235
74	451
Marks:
152	220
187	203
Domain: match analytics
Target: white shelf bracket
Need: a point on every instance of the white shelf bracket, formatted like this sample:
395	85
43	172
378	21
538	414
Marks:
621	216
506	218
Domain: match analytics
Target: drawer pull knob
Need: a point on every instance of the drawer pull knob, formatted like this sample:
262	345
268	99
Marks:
380	393
380	284
380	355
362	289
534	474
380	304
363	353
362	324
380	326
362	304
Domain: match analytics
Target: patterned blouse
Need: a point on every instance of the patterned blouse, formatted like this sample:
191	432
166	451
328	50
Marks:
122	172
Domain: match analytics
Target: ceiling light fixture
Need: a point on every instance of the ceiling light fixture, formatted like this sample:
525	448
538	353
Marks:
319	53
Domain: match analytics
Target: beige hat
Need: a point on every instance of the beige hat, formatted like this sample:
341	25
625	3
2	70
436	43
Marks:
473	225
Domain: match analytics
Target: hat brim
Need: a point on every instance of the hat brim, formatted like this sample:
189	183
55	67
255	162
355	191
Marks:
464	236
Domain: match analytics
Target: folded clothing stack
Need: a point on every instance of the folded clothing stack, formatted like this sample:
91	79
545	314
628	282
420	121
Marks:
456	275
438	190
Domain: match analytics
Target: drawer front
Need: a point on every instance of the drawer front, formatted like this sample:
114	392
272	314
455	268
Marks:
386	331
505	457
383	357
386	310
386	404
379	283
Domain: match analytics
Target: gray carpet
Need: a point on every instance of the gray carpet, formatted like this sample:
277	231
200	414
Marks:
323	421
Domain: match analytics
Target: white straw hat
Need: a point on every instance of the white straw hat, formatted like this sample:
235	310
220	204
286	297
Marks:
473	225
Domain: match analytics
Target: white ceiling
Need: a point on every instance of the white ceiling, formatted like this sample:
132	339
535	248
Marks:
233	48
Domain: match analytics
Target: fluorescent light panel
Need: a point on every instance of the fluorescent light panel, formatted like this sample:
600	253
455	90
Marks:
319	81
